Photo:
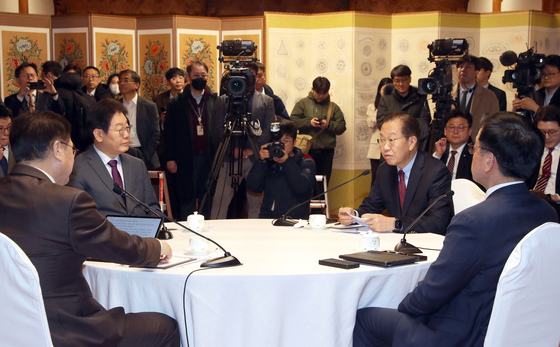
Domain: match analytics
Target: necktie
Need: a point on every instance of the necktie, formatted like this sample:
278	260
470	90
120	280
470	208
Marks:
463	104
451	162
31	103
116	175
402	187
543	180
4	163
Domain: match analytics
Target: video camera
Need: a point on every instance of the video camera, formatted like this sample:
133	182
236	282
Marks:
526	73
237	80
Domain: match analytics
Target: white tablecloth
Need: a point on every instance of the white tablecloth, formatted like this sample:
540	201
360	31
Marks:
279	297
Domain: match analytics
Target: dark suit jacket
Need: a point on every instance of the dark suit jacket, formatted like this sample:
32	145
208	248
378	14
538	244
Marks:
452	305
44	102
101	92
161	100
57	227
541	94
11	162
429	179
178	137
464	165
90	174
501	95
147	128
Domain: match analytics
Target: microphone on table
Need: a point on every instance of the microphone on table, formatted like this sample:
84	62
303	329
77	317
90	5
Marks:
405	247
226	261
284	222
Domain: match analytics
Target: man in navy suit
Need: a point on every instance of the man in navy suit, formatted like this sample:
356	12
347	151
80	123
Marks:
549	93
458	130
452	305
406	183
94	170
143	117
7	160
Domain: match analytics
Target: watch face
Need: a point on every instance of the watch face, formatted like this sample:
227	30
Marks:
398	224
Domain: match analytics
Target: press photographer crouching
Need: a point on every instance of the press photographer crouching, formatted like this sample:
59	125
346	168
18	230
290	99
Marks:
284	174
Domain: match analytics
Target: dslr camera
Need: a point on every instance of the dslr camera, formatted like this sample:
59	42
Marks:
276	147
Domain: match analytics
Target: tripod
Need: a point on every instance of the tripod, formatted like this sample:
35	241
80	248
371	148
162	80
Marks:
240	128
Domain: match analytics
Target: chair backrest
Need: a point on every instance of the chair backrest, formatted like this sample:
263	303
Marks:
526	309
22	316
467	194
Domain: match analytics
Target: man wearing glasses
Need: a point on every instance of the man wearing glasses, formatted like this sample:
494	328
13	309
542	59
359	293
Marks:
406	183
545	181
453	149
548	94
106	163
92	84
7	160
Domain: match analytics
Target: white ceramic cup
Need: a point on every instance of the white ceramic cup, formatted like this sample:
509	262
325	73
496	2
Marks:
195	221
369	242
198	245
317	221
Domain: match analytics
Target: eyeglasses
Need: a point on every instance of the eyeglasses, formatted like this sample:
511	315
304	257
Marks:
122	130
91	77
400	80
74	149
390	141
460	128
472	148
550	132
6	129
549	75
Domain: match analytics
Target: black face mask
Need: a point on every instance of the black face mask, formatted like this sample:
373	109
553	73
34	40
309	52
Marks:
198	83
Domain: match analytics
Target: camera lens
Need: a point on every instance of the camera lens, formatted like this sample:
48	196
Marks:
236	86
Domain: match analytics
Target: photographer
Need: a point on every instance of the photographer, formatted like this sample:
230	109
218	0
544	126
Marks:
548	94
286	179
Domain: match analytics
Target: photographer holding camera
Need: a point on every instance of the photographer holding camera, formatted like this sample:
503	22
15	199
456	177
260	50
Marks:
284	174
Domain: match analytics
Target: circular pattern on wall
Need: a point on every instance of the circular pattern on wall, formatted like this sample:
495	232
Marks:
300	62
424	66
494	48
496	65
360	153
366	68
380	63
341	65
382	45
322	65
403	46
322	44
300	83
472	43
341	43
367	50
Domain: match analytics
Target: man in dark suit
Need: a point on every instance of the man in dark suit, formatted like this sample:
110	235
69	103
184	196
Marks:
143	117
549	93
486	68
457	138
27	99
545	181
191	139
58	227
7	160
471	96
258	69
94	170
406	183
93	86
452	305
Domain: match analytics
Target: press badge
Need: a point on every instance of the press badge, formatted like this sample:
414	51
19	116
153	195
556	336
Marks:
200	130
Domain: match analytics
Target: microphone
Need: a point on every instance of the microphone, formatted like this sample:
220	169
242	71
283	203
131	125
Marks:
283	222
508	58
226	261
405	247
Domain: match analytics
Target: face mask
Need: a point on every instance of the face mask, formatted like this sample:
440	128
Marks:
114	89
198	83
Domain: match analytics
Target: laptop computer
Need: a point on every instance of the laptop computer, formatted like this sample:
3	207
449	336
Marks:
380	258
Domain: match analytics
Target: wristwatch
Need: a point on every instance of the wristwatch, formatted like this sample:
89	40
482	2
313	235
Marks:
398	225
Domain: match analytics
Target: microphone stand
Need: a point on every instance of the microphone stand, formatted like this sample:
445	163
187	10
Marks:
226	261
284	222
405	247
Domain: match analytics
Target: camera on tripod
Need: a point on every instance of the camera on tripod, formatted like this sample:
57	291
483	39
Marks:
237	80
276	147
526	73
443	52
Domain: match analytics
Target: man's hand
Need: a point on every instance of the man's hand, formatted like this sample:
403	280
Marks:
247	152
323	124
49	84
172	166
440	147
315	122
525	104
345	215
166	253
264	154
281	160
379	223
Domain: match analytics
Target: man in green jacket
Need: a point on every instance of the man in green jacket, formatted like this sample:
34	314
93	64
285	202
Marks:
311	117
